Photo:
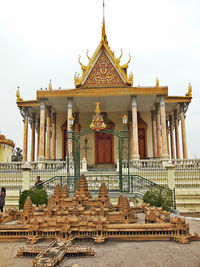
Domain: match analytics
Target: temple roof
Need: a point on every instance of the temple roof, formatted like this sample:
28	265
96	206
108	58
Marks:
103	68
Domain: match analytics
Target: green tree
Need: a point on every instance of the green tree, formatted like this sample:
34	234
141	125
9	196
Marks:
159	197
37	196
17	154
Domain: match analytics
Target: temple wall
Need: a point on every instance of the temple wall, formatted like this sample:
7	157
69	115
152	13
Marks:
146	116
5	152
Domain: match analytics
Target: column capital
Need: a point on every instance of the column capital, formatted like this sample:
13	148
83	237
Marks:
162	100
133	101
69	103
42	104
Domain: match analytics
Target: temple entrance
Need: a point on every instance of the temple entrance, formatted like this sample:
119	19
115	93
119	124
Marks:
104	148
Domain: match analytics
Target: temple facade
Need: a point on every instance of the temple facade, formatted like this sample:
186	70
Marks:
154	119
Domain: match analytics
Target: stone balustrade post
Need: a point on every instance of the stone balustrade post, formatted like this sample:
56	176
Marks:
26	167
170	175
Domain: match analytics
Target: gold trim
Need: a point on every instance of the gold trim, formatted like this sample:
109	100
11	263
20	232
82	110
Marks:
29	103
178	99
92	92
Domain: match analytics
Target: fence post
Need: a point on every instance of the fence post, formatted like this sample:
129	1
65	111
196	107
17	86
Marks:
170	175
117	165
26	168
84	165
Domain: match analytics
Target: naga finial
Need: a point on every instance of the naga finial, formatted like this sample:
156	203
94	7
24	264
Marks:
88	55
18	95
125	66
189	93
50	86
118	59
76	79
83	67
157	82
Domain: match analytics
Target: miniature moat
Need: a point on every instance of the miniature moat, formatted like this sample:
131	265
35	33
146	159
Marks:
84	217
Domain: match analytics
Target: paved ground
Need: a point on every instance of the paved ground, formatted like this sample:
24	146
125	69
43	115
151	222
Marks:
117	254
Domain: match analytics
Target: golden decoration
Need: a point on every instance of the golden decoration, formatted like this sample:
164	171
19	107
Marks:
18	95
50	86
97	123
88	55
103	73
125	66
76	79
189	93
157	82
130	78
83	67
119	58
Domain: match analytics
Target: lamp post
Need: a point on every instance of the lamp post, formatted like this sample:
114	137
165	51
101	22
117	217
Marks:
124	120
71	122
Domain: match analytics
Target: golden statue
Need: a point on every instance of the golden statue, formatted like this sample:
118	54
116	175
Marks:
18	95
189	93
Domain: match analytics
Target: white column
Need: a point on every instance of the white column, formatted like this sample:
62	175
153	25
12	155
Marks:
25	143
42	131
184	143
163	127
69	129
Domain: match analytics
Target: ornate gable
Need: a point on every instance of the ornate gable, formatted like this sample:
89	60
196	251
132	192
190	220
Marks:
103	68
103	73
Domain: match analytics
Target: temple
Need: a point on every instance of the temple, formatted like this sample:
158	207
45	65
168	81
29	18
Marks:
152	116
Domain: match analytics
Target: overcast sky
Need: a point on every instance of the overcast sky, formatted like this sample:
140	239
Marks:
41	40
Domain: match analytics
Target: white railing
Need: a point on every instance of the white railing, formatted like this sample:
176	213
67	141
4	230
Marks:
186	172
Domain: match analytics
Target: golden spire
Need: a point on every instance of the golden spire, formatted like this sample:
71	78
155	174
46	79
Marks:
189	93
50	86
103	37
97	110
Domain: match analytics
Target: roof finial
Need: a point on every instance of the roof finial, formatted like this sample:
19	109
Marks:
50	86
103	26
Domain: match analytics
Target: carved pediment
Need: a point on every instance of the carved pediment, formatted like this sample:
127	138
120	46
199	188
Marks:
103	73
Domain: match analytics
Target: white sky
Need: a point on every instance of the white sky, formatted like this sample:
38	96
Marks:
41	40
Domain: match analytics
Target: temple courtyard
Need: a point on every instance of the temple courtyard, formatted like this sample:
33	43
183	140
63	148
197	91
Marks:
121	253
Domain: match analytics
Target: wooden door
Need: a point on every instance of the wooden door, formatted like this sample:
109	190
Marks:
104	149
142	145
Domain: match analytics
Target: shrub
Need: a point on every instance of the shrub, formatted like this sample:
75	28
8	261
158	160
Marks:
37	196
159	197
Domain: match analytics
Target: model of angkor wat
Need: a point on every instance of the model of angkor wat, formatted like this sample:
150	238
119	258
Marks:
84	216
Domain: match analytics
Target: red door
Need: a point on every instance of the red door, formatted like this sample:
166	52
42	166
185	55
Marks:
103	148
